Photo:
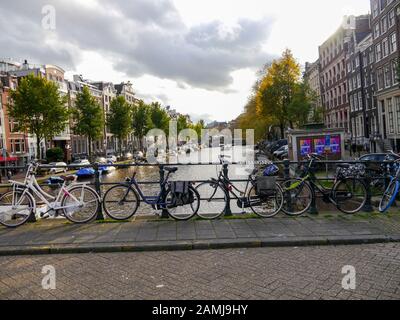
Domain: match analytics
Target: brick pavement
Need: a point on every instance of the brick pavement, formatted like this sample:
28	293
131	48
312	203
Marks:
57	236
261	273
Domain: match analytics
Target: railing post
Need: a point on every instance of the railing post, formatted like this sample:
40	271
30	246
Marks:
97	186
313	208
228	210
368	203
286	177
164	212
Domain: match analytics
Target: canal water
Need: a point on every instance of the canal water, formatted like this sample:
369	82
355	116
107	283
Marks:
193	167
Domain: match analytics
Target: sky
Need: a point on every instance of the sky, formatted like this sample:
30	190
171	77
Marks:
198	56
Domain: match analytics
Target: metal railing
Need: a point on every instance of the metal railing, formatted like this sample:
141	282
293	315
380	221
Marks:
287	169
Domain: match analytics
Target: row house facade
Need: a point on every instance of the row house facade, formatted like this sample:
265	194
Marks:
13	143
385	34
312	77
22	146
333	71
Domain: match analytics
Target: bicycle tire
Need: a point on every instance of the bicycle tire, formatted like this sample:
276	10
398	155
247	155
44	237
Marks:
180	213
94	210
276	204
124	192
340	204
390	193
31	208
291	193
212	198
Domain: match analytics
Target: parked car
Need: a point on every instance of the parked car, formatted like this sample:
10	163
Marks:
282	150
111	158
276	145
373	158
56	167
81	163
101	160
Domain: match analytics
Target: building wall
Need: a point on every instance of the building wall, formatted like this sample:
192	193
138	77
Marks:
385	26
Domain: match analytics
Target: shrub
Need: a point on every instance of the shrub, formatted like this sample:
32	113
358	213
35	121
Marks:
55	155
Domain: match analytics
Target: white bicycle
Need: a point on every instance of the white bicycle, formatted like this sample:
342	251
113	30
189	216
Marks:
77	202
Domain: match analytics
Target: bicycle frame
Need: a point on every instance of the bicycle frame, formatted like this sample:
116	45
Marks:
150	200
30	185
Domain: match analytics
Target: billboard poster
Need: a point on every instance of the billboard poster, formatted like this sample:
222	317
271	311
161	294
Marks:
305	147
319	146
335	145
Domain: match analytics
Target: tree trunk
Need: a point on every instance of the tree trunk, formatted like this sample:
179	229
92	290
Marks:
38	150
90	148
282	127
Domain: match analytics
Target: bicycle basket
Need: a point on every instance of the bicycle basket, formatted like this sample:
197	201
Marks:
266	186
181	193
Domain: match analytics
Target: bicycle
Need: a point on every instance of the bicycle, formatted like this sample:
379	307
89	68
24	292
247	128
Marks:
77	202
391	192
348	194
215	196
122	201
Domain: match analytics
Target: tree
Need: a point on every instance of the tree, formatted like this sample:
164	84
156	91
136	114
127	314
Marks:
141	121
39	109
277	89
182	123
299	108
88	117
159	117
249	119
198	127
119	120
55	155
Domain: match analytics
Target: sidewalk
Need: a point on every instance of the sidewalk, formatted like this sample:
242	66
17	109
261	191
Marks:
58	236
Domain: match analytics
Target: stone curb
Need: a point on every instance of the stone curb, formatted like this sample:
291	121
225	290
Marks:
196	245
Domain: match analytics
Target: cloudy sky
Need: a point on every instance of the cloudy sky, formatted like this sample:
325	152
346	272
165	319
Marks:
199	56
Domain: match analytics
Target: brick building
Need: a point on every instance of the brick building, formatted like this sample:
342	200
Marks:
385	31
333	73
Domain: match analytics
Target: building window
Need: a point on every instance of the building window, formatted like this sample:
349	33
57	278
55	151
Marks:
375	8
395	75
385	47
397	104
391	115
384	24
391	18
378	52
388	78
393	42
360	101
380	79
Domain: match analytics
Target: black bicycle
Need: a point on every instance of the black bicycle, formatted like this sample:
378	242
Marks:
348	193
216	193
179	199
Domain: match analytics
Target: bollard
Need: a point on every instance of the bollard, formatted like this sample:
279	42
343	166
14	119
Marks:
98	189
228	211
164	212
313	208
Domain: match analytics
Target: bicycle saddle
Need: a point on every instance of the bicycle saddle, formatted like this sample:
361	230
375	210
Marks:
343	165
171	169
68	178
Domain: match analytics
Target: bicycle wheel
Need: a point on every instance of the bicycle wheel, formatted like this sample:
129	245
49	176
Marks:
81	204
389	196
184	212
15	208
266	206
121	202
350	195
213	200
297	197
